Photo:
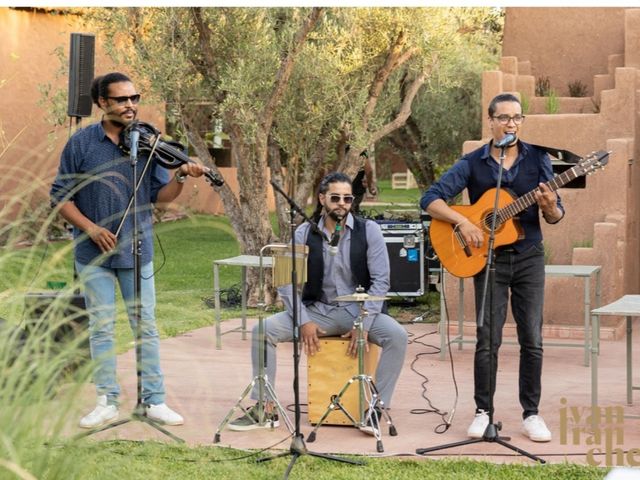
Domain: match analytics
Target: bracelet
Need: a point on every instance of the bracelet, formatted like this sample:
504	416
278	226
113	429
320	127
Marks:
180	178
460	223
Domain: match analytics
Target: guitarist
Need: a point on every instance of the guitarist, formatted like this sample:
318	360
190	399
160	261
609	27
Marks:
519	266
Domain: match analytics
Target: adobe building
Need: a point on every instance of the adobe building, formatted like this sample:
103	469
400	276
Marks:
600	48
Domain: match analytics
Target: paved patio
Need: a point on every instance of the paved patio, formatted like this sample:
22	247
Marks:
203	384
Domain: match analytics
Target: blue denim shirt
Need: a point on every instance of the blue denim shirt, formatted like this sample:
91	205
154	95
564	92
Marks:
478	172
339	280
97	177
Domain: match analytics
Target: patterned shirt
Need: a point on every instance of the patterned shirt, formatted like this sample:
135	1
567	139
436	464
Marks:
97	177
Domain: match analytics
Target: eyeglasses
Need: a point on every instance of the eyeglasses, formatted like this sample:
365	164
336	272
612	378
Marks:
336	197
135	99
505	119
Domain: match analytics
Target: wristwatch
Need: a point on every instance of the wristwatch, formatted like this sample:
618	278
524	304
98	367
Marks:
180	177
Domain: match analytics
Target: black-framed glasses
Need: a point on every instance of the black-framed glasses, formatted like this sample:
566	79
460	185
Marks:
135	99
336	197
505	119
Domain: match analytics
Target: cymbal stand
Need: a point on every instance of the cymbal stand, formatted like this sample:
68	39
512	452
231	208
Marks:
265	389
367	390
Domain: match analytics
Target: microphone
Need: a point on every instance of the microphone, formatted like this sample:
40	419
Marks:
134	138
335	239
508	139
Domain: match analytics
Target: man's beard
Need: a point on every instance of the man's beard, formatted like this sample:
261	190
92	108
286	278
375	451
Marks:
336	216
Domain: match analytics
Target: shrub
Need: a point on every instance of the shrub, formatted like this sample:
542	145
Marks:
577	89
525	102
552	105
543	86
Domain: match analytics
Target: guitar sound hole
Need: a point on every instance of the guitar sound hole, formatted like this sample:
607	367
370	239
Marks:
486	222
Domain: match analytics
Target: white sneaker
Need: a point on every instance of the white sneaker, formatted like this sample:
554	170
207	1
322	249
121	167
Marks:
535	428
100	415
479	425
161	413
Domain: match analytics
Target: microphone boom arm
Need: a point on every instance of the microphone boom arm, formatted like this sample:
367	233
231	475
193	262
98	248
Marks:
296	208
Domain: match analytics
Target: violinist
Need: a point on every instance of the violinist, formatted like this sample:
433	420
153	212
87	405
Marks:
91	190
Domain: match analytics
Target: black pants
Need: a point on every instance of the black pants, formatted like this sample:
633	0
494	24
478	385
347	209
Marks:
522	275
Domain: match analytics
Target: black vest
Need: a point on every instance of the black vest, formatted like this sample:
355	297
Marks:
312	291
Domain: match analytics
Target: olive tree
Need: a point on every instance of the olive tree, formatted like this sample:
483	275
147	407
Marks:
291	87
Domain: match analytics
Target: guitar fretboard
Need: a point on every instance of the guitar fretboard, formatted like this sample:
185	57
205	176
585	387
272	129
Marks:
528	199
587	165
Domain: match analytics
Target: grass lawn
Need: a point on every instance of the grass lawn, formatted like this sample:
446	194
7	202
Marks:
388	195
143	460
185	250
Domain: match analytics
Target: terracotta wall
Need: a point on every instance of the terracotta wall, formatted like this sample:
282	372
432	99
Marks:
564	44
31	145
601	226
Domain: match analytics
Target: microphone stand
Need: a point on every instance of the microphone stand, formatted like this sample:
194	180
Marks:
491	432
139	412
298	447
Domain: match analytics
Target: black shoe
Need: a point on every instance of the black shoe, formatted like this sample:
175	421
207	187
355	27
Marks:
250	421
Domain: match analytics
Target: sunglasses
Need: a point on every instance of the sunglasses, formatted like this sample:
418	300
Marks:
335	198
135	99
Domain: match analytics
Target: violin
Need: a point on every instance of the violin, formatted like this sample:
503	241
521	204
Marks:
168	154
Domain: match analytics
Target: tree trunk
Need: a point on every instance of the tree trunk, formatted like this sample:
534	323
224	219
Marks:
407	142
251	158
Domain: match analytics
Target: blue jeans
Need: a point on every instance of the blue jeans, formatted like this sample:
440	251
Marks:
522	274
100	297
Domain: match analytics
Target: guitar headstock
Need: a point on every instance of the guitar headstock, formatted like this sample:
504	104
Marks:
592	162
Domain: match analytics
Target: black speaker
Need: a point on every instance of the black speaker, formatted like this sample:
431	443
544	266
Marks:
81	60
431	261
405	245
60	314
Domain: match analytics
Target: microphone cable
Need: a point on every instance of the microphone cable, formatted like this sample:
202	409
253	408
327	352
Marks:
447	417
164	258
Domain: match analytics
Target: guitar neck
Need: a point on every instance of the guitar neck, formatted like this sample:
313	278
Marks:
529	198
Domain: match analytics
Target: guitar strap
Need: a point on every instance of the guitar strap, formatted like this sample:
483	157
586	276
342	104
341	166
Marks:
562	155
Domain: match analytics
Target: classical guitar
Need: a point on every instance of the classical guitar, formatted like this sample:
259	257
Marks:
464	260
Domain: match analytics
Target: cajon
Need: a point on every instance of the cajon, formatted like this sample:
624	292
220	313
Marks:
328	371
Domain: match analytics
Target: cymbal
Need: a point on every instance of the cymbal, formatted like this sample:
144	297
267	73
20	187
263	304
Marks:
359	297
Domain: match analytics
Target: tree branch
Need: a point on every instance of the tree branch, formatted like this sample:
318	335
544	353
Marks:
229	199
283	75
403	112
395	58
207	66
